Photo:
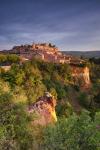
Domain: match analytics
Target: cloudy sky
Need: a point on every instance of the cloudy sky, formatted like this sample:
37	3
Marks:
69	24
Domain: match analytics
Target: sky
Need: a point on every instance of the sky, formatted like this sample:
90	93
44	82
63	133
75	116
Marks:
72	25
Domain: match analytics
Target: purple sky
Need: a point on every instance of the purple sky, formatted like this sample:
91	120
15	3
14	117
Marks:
69	24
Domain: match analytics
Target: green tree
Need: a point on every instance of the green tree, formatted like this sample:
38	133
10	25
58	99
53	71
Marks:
3	58
13	58
74	133
14	131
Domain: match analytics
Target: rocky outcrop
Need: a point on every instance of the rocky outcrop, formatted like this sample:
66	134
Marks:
81	76
44	110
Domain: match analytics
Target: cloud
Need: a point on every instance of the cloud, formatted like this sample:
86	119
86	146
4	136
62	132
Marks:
69	25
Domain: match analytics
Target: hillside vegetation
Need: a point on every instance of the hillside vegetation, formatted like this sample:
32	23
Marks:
77	110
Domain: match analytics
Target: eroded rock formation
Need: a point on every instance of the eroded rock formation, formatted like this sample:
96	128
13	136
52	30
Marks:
81	76
44	110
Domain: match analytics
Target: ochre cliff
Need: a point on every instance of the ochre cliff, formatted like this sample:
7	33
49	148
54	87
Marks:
44	110
81	76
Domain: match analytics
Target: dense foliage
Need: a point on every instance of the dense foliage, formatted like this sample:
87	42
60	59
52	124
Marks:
24	83
75	133
9	59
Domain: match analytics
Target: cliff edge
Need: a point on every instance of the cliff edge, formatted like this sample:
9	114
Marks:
44	110
81	76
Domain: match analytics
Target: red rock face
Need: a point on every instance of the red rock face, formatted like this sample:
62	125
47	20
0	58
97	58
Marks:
81	76
44	110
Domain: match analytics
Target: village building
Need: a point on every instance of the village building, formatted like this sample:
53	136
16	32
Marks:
44	51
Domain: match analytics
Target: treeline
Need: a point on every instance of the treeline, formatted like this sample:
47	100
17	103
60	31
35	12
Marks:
7	59
95	60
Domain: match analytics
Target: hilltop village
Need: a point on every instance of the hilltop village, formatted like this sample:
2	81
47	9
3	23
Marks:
49	53
44	51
